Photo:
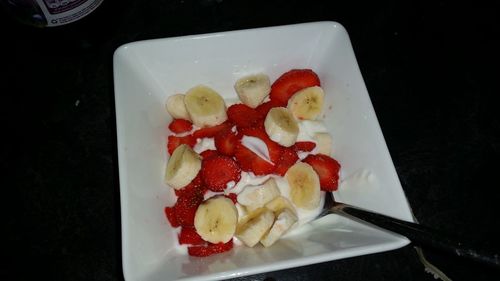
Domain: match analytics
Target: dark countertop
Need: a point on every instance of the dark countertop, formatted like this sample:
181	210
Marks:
431	70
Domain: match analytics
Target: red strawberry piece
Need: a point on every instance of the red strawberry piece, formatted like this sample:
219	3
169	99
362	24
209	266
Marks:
171	216
251	162
208	153
180	126
264	108
259	132
174	142
291	82
210	249
225	142
195	188
210	132
242	115
288	157
218	170
304	146
233	197
185	209
189	236
327	169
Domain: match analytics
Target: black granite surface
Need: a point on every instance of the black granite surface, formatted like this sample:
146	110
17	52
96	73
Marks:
431	68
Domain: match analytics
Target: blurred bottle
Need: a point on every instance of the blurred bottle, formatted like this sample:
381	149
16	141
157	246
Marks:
46	13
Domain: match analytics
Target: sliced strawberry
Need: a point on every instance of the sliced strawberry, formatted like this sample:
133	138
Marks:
288	157
174	142
233	197
264	108
189	236
291	82
225	142
171	216
210	132
185	209
180	126
307	146
210	249
195	188
259	132
242	115
327	169
208	153
218	170
251	162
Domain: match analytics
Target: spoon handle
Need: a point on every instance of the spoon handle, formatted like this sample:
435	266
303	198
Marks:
419	234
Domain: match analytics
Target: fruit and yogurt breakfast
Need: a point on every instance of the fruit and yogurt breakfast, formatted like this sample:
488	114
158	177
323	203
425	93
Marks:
250	172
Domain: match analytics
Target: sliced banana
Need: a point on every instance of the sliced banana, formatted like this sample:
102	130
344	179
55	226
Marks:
215	219
304	185
176	108
256	196
323	143
284	221
279	204
254	226
307	103
281	127
252	89
205	106
182	167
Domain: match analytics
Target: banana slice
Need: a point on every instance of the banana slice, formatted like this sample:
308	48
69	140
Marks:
205	106
306	103
304	185
182	167
281	127
279	204
285	220
252	89
256	196
323	143
176	108
254	226
215	219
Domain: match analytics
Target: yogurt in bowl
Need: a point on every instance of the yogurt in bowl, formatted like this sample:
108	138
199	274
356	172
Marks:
252	172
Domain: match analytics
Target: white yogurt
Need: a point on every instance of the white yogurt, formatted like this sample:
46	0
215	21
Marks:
204	144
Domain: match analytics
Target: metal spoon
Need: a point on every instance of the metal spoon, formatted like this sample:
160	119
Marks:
418	234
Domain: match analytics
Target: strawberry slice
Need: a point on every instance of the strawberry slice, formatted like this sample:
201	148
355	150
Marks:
180	126
189	236
195	188
173	142
218	170
226	141
208	153
307	146
251	162
259	132
210	249
291	82
327	169
171	216
288	157
185	209
264	108
242	115
210	132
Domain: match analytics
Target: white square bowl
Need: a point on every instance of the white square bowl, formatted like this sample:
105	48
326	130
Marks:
147	72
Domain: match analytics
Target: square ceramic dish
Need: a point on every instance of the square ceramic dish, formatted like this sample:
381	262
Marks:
147	72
